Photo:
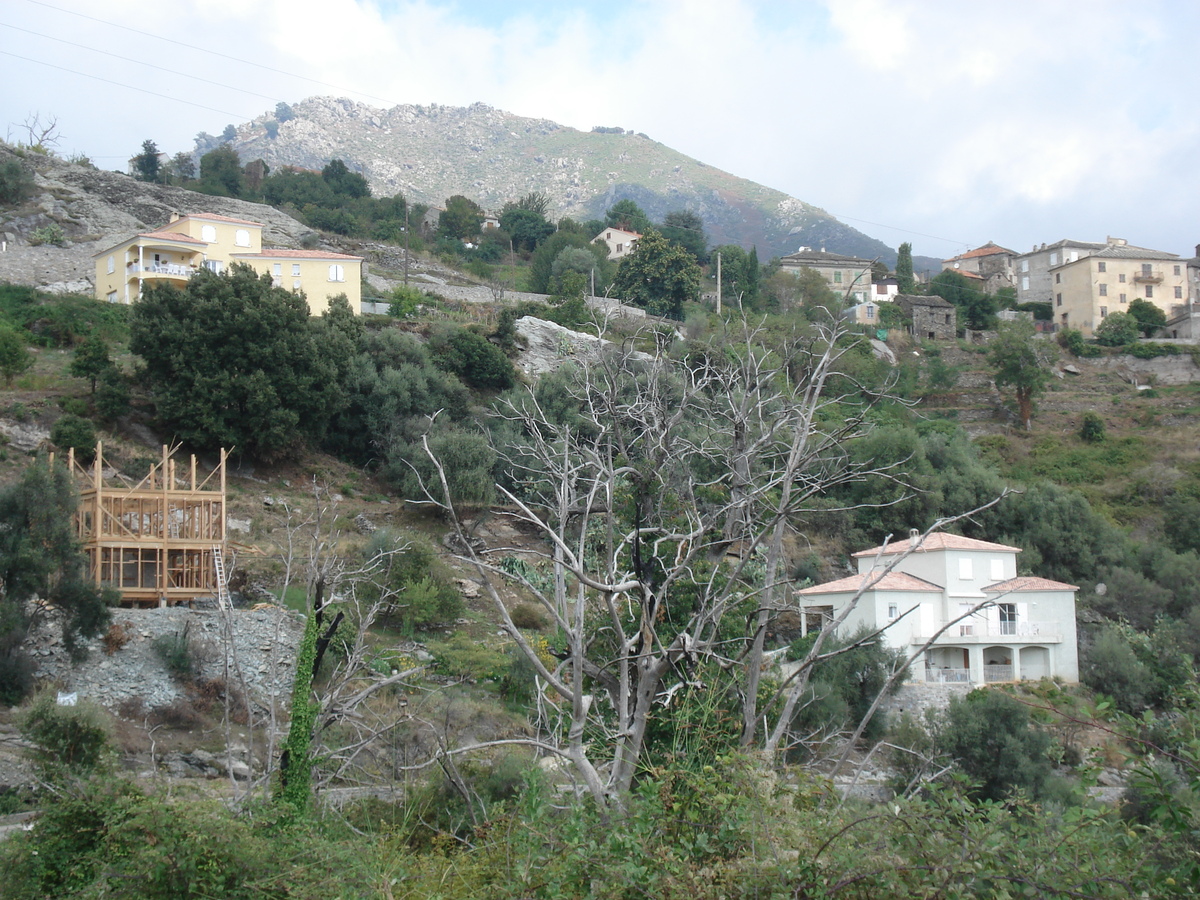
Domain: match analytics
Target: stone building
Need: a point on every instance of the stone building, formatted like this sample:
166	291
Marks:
991	264
848	276
932	317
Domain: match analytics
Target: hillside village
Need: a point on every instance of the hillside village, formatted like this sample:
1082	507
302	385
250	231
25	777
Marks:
408	514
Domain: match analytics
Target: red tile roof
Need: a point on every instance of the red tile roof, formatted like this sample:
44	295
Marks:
988	249
893	581
938	541
215	218
1028	583
294	254
172	236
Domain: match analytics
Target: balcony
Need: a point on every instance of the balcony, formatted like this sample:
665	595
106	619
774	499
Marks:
934	675
969	632
169	270
1149	276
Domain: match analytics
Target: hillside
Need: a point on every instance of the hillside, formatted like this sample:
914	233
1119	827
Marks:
433	152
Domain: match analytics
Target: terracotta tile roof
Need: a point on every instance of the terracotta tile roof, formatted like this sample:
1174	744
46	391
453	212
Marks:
294	254
893	581
1028	583
212	217
172	236
988	249
938	541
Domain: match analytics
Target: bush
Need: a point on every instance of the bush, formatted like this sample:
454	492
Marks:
422	593
1092	428
75	432
526	615
15	183
1117	330
48	234
76	738
991	738
15	357
1152	350
471	357
175	651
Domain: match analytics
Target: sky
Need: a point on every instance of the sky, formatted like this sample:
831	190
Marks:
937	122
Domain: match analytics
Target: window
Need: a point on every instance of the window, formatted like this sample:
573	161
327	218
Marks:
893	610
1121	278
1122	298
1101	267
1177	270
948	319
1024	265
997	569
208	233
1104	312
276	269
1008	618
1058	299
337	273
1146	270
871	310
1058	277
620	247
1149	291
241	237
837	277
213	265
1025	282
295	270
1178	293
1104	290
965	570
1074	256
1054	259
112	264
112	296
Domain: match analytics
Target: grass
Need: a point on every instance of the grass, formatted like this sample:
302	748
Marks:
294	598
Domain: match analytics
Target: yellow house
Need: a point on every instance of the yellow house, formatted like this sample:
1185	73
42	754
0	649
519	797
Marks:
175	251
1086	290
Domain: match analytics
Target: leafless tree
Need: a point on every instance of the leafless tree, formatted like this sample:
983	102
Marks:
665	496
39	135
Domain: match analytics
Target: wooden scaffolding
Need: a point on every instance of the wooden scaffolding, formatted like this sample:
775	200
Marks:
160	541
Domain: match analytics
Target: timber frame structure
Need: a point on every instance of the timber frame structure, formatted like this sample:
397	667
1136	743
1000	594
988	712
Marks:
160	542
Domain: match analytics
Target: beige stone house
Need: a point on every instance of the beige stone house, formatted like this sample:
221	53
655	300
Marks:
618	241
848	276
1088	289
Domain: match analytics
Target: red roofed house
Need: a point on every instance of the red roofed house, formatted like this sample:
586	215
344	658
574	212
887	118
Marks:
991	265
174	252
987	624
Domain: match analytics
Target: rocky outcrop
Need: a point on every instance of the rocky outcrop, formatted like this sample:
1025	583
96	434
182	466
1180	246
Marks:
547	346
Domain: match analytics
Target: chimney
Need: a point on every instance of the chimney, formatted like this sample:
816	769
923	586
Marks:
175	216
1198	249
1118	242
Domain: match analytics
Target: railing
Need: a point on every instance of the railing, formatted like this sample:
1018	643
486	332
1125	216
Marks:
1154	276
164	269
997	673
1001	629
947	676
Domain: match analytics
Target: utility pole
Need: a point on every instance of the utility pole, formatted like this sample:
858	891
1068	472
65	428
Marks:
406	230
718	283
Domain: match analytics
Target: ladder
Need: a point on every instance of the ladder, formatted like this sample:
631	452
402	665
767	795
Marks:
223	599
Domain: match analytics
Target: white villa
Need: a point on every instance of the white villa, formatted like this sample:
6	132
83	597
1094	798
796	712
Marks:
1022	627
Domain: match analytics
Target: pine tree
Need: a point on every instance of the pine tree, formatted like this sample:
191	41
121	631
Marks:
904	270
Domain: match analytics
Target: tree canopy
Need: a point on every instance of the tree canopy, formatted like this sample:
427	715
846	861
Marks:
221	172
235	362
976	307
1149	317
686	229
627	215
146	163
904	270
1021	361
658	276
461	219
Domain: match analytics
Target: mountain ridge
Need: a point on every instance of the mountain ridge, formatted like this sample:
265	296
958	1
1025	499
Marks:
433	152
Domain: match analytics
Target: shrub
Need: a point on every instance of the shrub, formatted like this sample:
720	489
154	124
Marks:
423	594
175	651
76	738
471	357
1117	330
1092	428
48	234
15	357
526	615
991	738
15	183
73	431
1152	350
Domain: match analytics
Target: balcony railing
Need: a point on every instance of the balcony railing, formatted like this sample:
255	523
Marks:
935	675
163	269
1153	276
997	673
1001	629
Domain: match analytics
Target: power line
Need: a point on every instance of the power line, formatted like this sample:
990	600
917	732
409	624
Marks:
138	61
131	87
143	34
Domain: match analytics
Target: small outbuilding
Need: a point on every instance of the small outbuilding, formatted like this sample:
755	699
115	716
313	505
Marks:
932	317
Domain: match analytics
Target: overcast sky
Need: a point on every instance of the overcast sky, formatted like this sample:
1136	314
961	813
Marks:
943	123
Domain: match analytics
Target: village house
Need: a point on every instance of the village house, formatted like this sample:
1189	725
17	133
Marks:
932	317
990	265
619	241
885	291
173	253
1087	289
983	622
848	276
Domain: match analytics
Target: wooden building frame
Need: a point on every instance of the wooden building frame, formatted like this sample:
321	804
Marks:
159	542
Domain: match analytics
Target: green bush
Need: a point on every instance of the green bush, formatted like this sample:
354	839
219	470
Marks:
421	593
471	357
1117	330
16	183
72	738
991	738
1091	429
73	431
15	357
1152	350
526	615
176	652
48	234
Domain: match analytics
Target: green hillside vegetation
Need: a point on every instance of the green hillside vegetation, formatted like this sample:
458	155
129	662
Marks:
705	783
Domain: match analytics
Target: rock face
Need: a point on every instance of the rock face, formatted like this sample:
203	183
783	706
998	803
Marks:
262	655
549	346
433	152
